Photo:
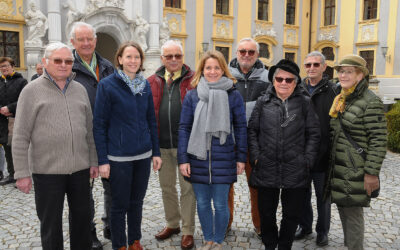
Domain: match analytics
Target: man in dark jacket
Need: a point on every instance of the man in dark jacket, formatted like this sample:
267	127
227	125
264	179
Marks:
39	71
11	85
90	68
252	80
169	86
321	92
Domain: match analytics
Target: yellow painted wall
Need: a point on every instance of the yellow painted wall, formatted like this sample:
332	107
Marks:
199	27
305	31
391	36
244	19
347	23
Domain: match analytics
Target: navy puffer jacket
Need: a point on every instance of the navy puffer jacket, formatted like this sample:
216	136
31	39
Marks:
220	165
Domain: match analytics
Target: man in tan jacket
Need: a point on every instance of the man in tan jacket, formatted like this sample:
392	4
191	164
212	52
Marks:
53	145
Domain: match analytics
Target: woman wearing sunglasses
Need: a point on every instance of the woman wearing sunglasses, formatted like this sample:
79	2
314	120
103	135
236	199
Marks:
283	137
125	133
212	143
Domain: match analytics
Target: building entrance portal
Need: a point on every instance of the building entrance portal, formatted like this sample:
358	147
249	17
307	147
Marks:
106	46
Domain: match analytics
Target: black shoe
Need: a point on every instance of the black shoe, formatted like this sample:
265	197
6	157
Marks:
322	240
301	233
1	175
107	233
7	180
96	244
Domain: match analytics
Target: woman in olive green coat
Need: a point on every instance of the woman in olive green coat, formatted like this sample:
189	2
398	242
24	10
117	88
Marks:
354	175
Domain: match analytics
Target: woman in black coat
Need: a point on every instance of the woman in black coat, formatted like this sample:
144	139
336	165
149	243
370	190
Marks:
283	138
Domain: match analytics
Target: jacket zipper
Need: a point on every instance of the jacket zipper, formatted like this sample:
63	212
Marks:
352	161
170	91
209	165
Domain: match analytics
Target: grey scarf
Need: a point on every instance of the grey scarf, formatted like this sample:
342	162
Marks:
211	117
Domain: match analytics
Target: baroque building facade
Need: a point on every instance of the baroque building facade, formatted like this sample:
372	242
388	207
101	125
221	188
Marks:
284	28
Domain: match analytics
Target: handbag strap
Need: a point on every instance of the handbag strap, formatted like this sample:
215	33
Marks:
359	149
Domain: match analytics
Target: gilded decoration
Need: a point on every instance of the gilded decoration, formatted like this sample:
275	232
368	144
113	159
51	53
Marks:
291	37
222	30
174	25
264	30
327	35
368	33
11	11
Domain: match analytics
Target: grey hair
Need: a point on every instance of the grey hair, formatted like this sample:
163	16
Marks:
279	69
55	46
249	39
81	24
316	53
170	43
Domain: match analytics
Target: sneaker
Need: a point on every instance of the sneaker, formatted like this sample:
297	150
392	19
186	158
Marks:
216	246
206	246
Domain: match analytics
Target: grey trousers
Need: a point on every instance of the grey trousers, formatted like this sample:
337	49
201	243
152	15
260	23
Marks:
353	226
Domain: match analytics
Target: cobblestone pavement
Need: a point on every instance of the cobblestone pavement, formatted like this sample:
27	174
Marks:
19	225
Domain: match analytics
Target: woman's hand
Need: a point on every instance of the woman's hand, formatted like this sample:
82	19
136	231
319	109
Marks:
371	183
240	167
157	163
185	169
104	171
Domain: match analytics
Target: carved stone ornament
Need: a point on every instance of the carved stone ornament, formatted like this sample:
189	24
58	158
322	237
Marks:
291	37
93	5
222	30
37	25
165	33
367	33
6	8
173	25
327	35
264	30
141	29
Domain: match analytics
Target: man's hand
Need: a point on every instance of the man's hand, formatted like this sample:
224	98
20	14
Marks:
24	184
94	172
104	171
240	167
185	169
156	163
371	183
4	111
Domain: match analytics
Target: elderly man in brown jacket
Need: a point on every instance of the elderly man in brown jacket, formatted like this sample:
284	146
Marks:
53	145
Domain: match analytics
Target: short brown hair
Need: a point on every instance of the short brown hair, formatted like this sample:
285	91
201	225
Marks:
8	59
121	50
221	61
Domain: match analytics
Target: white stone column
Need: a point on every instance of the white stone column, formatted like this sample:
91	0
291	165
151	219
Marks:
154	22
54	18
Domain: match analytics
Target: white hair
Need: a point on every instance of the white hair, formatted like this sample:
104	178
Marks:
81	24
171	43
53	47
249	39
316	53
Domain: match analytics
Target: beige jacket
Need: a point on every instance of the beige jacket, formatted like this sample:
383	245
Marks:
53	131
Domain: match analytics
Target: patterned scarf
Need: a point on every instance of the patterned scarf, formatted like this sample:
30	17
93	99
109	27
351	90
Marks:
340	101
136	85
93	64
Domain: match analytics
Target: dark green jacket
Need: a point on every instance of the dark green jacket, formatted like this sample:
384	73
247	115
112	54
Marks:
365	122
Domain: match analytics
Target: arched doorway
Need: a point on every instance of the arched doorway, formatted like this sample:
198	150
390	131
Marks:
106	46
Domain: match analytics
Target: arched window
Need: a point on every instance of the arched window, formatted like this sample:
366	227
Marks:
264	50
328	53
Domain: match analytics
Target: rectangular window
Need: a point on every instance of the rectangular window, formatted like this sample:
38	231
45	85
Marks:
173	3
224	51
329	12
290	11
222	7
9	45
263	9
370	9
368	56
289	56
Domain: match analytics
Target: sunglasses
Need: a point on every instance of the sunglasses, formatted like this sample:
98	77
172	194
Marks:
249	52
177	57
308	65
59	61
287	80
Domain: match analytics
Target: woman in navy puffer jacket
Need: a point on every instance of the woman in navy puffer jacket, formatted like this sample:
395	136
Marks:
212	143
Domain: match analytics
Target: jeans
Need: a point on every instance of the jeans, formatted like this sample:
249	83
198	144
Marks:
213	224
128	181
323	207
50	190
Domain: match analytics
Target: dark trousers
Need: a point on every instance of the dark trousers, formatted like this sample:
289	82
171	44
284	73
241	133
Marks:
50	190
107	203
323	207
268	199
9	159
128	181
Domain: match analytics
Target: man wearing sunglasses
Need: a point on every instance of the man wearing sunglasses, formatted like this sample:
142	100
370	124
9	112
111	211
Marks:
169	85
53	145
321	90
90	68
252	80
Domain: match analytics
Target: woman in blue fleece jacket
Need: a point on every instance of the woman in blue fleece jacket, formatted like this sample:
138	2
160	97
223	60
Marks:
125	133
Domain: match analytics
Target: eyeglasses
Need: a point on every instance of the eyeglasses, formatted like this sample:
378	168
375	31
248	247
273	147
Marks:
308	65
177	57
5	66
287	80
59	61
345	72
249	52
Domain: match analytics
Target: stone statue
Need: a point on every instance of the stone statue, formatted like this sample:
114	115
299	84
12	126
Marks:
93	5
73	16
142	27
37	25
164	31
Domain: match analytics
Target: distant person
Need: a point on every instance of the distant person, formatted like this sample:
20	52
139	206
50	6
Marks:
53	145
39	71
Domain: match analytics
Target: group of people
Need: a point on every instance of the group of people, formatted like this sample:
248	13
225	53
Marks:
83	118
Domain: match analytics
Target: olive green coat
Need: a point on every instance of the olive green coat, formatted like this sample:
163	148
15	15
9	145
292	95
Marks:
364	121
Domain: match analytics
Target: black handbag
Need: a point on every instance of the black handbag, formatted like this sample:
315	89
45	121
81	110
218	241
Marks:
361	152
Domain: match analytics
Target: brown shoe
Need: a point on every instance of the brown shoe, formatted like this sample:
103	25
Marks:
122	248
167	232
187	242
136	246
